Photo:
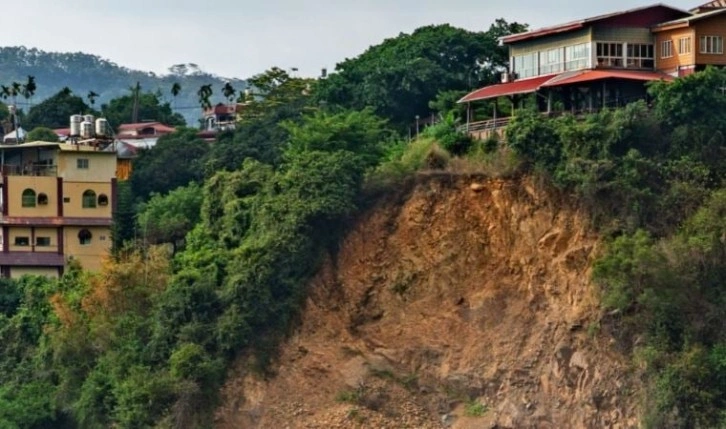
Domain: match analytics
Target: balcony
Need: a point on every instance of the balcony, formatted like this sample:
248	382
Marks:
34	169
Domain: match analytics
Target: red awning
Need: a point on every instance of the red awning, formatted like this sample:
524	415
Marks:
522	86
592	75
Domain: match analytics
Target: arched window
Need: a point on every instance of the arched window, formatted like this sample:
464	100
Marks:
102	200
28	198
84	237
42	199
89	199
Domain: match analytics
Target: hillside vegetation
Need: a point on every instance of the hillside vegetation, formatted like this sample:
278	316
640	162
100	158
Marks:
148	342
85	73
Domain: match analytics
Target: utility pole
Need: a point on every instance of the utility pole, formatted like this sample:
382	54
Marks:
135	112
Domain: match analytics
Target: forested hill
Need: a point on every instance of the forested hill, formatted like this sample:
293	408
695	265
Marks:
83	73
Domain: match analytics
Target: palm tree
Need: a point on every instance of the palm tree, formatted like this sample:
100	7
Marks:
29	88
15	90
204	93
175	90
4	92
92	97
229	91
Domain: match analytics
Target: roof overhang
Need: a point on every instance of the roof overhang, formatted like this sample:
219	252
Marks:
596	75
523	86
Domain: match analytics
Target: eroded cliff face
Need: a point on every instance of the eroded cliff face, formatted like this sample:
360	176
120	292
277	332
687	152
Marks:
461	303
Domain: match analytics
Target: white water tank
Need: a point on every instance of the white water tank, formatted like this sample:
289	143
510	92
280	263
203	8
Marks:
76	125
89	118
102	129
86	130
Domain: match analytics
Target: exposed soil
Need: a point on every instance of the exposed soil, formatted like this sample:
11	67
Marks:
462	303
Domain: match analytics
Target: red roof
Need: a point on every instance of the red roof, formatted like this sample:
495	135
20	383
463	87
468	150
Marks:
591	75
158	127
522	86
643	17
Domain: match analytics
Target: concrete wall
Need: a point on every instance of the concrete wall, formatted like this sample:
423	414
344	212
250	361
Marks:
17	184
17	272
90	255
73	199
101	166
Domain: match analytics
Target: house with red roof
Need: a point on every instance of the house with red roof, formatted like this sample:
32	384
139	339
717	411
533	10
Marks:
598	62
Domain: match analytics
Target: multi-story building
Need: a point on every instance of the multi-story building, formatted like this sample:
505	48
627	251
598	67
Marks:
57	203
603	61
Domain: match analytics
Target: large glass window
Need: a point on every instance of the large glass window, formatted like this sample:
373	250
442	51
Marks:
577	57
609	54
551	61
526	65
711	45
28	198
640	56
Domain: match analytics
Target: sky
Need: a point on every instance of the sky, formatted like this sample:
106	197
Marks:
241	38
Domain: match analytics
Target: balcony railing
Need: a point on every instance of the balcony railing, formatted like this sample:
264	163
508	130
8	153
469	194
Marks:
29	170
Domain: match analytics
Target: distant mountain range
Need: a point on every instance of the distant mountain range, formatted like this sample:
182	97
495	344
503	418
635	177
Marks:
83	72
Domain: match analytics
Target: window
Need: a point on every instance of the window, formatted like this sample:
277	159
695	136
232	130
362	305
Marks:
711	45
42	199
102	200
66	199
666	49
84	237
640	56
28	198
22	241
42	241
577	57
609	54
551	61
89	199
526	65
684	45
82	163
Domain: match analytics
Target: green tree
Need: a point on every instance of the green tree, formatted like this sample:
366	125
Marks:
55	112
176	160
42	134
204	93
399	77
168	218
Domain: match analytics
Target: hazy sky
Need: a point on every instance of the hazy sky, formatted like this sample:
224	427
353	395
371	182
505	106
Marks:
239	38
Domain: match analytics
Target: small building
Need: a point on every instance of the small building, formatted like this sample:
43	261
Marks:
56	203
221	117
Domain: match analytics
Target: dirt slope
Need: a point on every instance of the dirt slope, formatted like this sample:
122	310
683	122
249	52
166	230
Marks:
464	304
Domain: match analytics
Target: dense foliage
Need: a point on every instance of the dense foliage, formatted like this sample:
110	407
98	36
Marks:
399	77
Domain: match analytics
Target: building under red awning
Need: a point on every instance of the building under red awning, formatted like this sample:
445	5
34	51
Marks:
593	75
523	86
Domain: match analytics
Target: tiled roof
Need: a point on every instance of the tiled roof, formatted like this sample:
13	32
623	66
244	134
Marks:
591	75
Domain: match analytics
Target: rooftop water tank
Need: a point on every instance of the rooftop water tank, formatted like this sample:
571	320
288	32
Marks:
102	128
86	130
76	125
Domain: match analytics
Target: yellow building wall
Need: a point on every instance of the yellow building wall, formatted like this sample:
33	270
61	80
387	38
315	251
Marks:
47	185
17	272
51	233
715	26
19	232
89	255
671	64
101	166
73	199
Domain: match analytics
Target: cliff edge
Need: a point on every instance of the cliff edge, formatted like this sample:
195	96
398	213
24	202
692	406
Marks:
458	303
